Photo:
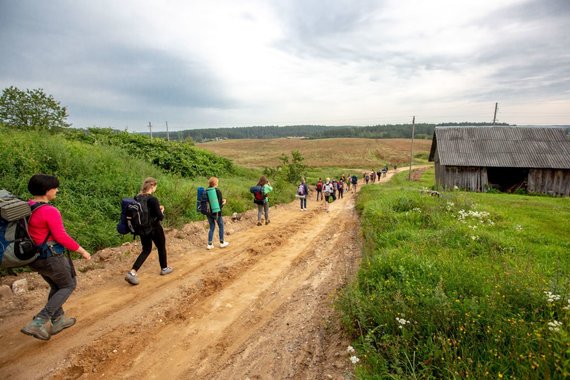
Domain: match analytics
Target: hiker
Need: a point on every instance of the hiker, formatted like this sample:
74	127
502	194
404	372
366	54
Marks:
156	234
340	185
216	215
367	178
319	188
348	182
264	205
328	190
54	263
303	194
354	180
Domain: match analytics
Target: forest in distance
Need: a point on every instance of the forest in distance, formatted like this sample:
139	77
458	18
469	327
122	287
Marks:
386	131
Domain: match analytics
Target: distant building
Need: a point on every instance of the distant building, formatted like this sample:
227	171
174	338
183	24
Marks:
536	159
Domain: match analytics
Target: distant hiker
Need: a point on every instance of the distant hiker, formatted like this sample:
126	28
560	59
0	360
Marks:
263	205
217	202
348	182
367	178
379	174
328	191
354	181
54	263
156	233
340	188
303	194
384	171
319	188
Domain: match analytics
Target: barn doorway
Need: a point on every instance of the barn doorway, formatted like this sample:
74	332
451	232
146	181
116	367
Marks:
508	180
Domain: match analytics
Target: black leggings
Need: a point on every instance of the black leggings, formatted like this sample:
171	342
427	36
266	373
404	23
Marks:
159	240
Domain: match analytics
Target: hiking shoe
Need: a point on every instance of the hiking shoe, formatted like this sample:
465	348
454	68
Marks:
60	323
132	278
259	223
224	244
266	222
37	328
165	271
210	246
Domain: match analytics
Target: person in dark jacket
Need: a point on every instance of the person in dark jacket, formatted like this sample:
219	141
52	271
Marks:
216	217
156	233
303	194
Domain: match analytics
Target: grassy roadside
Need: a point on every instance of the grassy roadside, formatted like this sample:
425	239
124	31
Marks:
465	285
94	177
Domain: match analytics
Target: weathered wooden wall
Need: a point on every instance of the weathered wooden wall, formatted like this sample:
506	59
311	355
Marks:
549	181
466	178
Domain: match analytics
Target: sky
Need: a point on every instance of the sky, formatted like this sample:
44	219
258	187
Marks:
227	63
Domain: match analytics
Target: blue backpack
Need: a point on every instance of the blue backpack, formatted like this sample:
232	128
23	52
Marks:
135	217
202	202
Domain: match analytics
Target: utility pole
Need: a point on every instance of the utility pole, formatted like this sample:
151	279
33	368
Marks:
412	146
167	134
495	115
150	129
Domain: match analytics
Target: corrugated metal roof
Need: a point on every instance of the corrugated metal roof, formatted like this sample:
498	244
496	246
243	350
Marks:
516	147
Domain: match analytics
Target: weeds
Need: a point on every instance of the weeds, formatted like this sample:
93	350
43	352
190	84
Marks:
463	286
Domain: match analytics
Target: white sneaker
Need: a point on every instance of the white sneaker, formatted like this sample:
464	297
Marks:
224	244
210	246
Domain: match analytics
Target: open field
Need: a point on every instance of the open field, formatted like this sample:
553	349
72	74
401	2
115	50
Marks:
348	153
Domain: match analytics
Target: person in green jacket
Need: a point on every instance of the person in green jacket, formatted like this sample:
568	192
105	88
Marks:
266	185
217	202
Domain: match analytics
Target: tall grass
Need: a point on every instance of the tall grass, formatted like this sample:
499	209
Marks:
94	178
465	285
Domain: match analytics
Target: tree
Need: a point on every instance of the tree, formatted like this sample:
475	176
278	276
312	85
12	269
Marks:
31	109
290	172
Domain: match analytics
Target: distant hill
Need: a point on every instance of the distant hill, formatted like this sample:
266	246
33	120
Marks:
387	131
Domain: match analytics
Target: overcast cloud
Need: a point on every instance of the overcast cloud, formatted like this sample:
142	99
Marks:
226	63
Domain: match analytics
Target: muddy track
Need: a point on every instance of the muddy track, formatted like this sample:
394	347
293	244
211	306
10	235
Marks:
261	308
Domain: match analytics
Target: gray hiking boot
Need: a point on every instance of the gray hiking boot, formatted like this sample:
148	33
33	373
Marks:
131	278
37	328
60	323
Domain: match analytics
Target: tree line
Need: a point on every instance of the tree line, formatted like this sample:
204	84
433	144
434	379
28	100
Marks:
385	131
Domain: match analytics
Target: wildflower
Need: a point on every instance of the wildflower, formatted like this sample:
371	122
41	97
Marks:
518	227
417	209
354	359
474	238
402	322
350	349
567	307
551	297
554	325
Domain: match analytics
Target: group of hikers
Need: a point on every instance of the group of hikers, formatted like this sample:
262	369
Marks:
55	266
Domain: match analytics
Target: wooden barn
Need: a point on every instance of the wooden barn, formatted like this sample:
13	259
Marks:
505	158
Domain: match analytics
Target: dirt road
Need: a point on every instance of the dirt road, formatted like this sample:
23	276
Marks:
259	309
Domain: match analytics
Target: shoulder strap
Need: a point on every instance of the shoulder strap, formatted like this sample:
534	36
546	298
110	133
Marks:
34	207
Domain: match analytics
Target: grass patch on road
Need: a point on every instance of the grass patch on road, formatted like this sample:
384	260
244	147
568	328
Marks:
465	285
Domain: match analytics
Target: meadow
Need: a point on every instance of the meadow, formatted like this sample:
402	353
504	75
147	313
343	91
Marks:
341	153
466	285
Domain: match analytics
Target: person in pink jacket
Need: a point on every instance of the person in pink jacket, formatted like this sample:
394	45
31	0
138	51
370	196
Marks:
54	263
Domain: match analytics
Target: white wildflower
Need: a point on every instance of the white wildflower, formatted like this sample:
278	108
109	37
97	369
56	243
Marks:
551	297
402	322
417	209
474	238
567	307
350	349
554	325
354	359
